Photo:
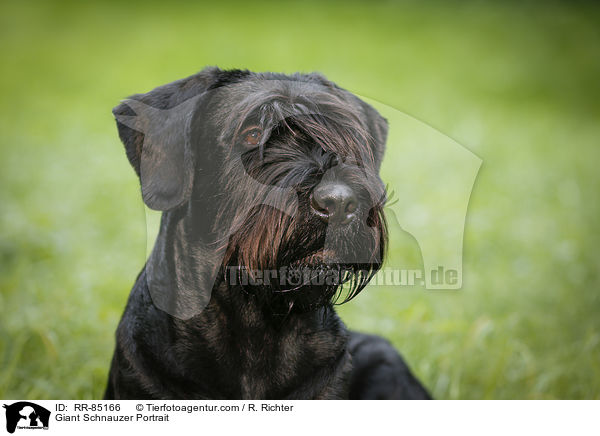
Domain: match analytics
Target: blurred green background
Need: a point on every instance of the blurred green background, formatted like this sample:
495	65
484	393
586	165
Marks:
517	83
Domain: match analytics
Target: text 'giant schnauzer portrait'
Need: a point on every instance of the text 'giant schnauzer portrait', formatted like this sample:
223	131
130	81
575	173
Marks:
272	211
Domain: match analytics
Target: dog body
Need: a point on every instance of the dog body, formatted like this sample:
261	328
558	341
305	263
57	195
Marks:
272	211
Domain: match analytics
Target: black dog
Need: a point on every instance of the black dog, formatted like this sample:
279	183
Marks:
272	212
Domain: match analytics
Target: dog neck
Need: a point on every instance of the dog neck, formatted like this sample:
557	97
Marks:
233	349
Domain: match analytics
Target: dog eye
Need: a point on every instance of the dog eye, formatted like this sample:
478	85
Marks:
252	136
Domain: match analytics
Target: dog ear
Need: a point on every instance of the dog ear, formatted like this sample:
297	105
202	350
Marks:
155	128
378	129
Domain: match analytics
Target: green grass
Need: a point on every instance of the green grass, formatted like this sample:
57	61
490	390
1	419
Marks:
517	84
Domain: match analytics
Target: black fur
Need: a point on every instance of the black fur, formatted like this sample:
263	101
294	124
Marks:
234	203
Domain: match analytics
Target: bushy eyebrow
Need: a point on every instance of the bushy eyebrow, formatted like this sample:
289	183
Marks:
330	121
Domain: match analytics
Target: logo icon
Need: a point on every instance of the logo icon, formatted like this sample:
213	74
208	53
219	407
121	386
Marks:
26	415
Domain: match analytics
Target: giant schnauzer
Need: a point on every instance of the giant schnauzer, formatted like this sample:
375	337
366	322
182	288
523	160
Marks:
272	213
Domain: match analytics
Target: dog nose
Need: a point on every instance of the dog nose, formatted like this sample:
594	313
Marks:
334	202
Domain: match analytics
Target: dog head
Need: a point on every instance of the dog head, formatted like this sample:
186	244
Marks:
267	181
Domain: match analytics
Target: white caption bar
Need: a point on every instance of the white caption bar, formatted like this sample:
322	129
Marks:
25	417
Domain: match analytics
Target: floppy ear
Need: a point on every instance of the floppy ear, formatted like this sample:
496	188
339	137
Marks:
378	129
156	130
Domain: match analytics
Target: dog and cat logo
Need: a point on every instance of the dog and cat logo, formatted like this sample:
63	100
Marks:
26	415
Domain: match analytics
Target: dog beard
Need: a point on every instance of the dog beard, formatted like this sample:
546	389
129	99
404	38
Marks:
296	264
